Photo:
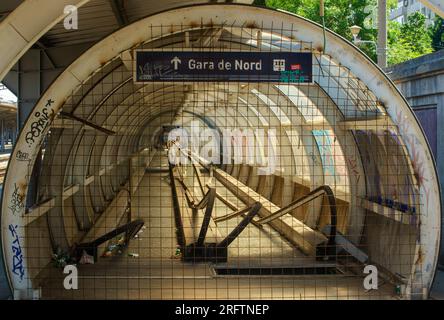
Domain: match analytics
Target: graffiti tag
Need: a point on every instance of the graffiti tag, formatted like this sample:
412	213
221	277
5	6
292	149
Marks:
39	125
22	156
17	201
17	262
353	163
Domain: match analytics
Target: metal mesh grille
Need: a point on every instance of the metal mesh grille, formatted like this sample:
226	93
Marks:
105	163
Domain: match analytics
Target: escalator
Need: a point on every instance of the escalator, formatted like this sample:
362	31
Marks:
197	249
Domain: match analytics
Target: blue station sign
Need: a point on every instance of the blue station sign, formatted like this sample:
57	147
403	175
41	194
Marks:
186	66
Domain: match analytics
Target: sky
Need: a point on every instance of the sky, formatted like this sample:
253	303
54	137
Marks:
7	95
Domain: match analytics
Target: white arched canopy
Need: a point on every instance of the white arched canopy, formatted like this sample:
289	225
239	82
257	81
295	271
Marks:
351	129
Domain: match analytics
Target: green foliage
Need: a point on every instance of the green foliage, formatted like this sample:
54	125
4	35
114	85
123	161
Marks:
405	42
259	3
392	4
339	16
410	40
437	33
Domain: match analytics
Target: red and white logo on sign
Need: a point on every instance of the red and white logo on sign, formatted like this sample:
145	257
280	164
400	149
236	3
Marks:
295	67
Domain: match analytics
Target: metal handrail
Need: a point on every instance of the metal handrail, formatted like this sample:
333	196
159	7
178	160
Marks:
316	193
130	230
252	212
210	199
207	203
191	199
231	215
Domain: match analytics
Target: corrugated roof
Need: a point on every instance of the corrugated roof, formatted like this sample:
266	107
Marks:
7	6
96	20
99	18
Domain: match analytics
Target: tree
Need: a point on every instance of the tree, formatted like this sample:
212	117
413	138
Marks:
259	3
409	40
339	16
405	42
437	31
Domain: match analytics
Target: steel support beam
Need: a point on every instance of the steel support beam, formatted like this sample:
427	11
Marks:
381	48
119	12
29	91
21	28
87	123
2	136
29	84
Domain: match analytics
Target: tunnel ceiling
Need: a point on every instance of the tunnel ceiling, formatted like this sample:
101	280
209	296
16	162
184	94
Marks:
95	117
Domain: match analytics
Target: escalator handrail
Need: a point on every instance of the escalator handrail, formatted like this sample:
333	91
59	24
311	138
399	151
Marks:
252	212
316	193
231	215
211	198
207	203
203	202
295	204
130	229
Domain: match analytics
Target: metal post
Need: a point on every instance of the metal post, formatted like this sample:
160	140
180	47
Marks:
2	136
381	49
29	90
14	134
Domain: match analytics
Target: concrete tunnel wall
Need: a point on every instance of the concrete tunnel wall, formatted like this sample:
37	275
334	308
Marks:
351	99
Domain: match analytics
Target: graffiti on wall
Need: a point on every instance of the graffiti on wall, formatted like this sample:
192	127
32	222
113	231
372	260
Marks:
353	165
41	123
17	202
332	158
324	143
17	261
22	156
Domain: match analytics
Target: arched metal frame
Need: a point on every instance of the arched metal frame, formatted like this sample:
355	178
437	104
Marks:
372	80
22	28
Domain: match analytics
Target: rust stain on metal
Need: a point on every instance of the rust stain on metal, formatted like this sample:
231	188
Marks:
52	117
251	25
381	103
420	259
22	191
194	24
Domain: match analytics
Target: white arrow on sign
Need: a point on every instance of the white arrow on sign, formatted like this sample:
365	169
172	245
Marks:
176	61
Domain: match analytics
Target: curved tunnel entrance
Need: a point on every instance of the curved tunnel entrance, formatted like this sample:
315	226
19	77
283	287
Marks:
278	188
